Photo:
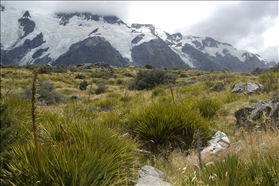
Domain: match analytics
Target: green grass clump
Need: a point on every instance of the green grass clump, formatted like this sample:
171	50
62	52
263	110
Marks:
158	91
166	126
79	152
233	171
208	107
95	156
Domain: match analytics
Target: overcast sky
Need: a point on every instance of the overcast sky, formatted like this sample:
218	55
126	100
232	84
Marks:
251	26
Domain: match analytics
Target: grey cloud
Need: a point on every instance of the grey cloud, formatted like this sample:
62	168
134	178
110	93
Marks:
95	7
236	23
271	53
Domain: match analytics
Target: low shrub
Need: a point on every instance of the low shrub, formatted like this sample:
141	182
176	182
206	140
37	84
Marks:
80	76
46	93
165	126
102	87
83	85
45	70
148	66
269	80
148	79
60	69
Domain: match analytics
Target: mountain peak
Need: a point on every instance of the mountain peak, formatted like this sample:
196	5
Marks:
137	25
86	37
26	14
65	17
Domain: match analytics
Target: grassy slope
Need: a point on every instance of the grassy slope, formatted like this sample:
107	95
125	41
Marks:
191	86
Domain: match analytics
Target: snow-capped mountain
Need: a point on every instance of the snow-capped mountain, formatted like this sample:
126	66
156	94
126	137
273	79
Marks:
30	37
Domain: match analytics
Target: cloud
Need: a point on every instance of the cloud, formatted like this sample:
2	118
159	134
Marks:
122	10
242	24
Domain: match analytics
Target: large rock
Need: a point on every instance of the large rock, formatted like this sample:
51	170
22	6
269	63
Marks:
260	113
217	143
149	176
247	87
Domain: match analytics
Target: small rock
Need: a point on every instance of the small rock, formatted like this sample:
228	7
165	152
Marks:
219	86
217	143
150	176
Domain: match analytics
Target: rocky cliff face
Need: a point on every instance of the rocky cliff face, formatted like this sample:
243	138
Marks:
91	50
157	53
29	37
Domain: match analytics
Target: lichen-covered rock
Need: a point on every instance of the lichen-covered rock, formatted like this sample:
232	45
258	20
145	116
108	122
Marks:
247	87
150	176
262	112
217	143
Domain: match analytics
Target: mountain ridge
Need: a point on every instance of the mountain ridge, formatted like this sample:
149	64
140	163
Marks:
36	38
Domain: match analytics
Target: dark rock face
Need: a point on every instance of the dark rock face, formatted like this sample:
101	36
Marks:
64	17
235	65
261	115
26	14
90	50
2	8
39	52
28	25
37	41
208	41
175	37
112	19
15	55
44	60
150	26
94	31
201	60
158	54
198	45
137	39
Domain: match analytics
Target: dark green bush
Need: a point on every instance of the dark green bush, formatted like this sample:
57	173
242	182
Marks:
165	126
102	87
148	79
60	69
46	93
80	76
119	82
148	66
45	70
83	85
128	74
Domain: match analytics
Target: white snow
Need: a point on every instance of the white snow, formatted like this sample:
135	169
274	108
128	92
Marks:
119	36
59	38
182	55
